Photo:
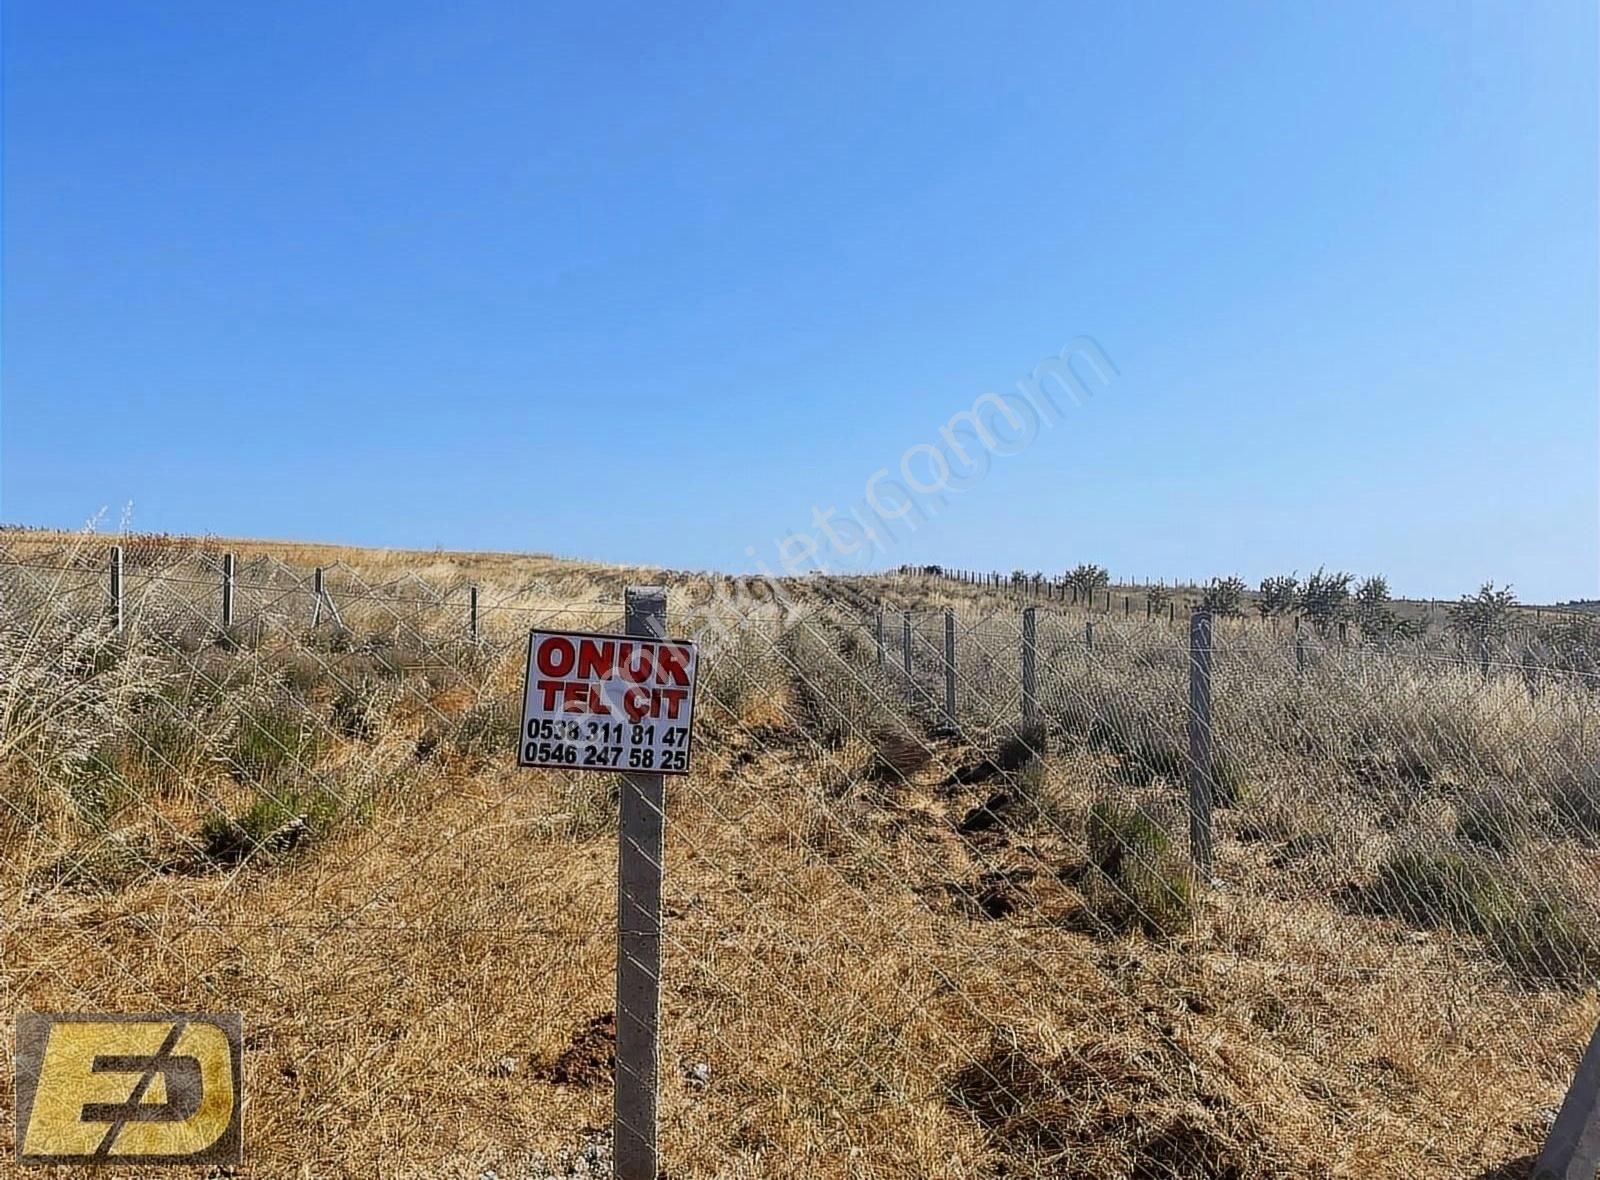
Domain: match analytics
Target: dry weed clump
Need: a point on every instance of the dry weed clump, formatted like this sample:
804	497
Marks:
1139	880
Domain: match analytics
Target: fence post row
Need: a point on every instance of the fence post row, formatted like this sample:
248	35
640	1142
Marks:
640	851
116	588
1030	700
227	589
1200	778
950	669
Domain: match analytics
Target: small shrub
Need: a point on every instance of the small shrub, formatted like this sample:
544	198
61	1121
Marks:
1148	885
97	788
162	746
489	729
1440	887
278	739
274	824
1543	940
1536	936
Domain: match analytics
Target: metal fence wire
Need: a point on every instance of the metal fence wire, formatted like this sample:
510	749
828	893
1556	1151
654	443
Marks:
939	897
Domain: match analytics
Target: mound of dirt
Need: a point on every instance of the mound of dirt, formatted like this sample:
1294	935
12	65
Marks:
1000	894
591	1058
998	810
1015	751
1112	1109
897	757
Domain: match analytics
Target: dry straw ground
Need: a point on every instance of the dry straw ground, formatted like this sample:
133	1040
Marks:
893	950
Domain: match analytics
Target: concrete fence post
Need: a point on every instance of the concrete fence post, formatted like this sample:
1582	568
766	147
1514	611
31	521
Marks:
877	635
116	588
472	612
640	852
950	669
1200	777
1300	654
1030	648
316	596
1573	1150
905	656
1088	637
227	589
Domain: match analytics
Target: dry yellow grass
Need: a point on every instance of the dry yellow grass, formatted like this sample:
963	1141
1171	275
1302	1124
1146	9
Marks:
407	983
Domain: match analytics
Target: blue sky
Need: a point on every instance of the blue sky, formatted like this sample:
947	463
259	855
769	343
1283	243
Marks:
652	283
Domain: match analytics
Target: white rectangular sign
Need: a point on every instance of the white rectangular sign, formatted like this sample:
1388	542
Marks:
607	702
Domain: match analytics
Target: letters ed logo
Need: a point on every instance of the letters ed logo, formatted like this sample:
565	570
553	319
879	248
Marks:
154	1089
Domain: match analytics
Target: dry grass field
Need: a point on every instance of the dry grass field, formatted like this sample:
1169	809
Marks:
895	948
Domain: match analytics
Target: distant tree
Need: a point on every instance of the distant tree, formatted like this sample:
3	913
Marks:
1018	577
1372	605
1277	595
1158	597
1485	615
1572	642
1087	579
1325	598
1225	596
1376	617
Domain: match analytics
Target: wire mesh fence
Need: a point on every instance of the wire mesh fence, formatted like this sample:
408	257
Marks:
931	893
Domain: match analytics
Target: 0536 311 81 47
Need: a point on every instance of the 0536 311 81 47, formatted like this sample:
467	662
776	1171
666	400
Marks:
607	702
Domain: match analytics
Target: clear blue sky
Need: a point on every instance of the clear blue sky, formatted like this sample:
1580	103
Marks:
650	283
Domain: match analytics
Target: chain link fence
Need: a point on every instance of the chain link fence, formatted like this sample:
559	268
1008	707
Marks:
931	894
